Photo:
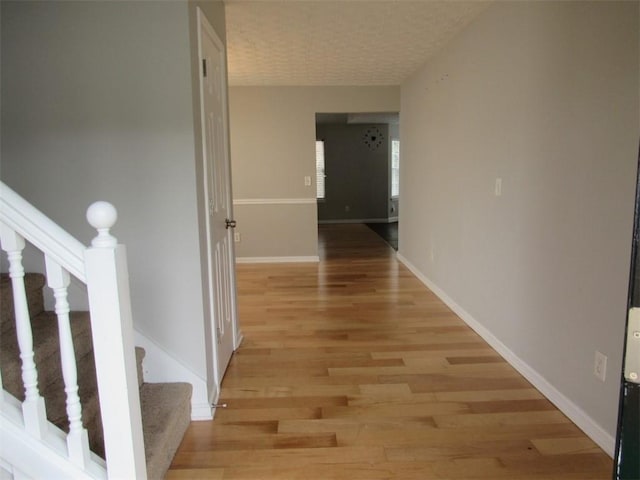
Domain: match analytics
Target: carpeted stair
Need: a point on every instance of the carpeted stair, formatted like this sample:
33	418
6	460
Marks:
166	407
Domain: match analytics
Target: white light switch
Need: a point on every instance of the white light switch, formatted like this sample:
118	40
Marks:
498	187
600	366
307	181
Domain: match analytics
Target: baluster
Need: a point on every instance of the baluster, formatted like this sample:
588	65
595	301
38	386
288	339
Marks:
77	439
33	409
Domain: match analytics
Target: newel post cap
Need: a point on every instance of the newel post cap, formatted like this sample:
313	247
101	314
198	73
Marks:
102	216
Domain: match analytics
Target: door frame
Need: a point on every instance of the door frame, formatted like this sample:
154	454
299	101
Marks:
627	456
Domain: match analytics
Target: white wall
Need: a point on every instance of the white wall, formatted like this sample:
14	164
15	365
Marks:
97	103
273	149
545	96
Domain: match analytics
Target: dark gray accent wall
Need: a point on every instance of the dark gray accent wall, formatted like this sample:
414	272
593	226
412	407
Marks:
357	172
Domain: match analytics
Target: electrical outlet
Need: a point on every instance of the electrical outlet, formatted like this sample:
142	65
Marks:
307	181
600	366
347	208
236	237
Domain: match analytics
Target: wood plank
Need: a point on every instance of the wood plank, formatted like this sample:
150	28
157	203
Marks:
486	419
562	446
195	474
225	440
422	431
281	457
478	359
304	390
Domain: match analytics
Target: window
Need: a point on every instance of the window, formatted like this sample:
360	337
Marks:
320	169
395	168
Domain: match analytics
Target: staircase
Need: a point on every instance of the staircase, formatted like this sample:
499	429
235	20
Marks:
65	436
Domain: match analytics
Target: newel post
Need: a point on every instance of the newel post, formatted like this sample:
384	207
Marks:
112	331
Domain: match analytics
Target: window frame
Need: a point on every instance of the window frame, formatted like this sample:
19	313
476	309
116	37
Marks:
320	172
395	158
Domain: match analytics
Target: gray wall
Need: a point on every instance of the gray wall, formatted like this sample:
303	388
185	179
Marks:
97	103
356	176
545	96
273	149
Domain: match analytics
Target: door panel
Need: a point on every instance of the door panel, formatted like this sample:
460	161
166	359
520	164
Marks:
218	195
627	457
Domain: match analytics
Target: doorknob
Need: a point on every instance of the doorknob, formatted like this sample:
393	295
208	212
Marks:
229	223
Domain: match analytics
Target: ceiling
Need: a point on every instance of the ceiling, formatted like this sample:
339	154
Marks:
347	42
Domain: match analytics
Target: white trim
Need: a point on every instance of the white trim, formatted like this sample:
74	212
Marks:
564	404
160	366
274	201
114	351
25	456
214	396
354	220
301	259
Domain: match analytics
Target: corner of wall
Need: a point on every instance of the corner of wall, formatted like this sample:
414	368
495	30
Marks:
161	366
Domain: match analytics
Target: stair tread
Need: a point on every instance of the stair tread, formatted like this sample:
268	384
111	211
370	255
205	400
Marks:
44	328
31	280
166	413
33	284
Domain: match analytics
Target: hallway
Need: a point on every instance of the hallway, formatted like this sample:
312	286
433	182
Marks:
352	369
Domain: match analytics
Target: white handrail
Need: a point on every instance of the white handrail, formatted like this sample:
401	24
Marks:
43	233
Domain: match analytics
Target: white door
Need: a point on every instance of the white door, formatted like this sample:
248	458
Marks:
221	262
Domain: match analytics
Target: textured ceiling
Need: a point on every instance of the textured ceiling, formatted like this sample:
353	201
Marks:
348	42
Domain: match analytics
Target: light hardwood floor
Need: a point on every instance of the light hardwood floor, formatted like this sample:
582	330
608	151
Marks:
352	369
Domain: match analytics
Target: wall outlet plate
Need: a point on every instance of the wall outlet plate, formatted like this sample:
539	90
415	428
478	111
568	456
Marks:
600	366
498	187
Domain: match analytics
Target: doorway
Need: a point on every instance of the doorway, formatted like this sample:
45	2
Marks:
627	455
358	174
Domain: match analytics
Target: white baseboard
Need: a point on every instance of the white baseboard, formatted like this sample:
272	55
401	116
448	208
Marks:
160	366
564	404
274	201
355	220
213	400
300	259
